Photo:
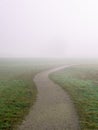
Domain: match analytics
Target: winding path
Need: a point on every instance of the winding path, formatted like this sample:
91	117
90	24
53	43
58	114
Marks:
53	109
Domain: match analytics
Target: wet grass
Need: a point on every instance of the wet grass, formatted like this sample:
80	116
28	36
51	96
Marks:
81	82
17	89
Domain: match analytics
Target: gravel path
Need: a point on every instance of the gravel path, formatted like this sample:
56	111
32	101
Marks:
53	110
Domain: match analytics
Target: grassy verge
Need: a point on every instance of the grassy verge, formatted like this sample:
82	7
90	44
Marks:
81	82
16	96
17	89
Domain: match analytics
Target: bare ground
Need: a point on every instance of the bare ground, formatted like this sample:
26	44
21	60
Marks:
53	110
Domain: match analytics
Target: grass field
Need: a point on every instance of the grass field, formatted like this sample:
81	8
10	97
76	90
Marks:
81	82
17	89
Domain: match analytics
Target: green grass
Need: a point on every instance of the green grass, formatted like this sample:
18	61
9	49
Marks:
16	96
17	89
81	82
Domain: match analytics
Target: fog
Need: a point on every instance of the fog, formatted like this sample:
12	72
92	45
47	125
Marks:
49	28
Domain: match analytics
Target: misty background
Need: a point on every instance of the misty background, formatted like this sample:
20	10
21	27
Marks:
49	28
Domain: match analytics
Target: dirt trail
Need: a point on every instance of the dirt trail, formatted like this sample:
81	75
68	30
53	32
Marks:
53	110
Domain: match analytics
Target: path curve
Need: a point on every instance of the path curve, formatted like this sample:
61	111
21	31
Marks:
53	109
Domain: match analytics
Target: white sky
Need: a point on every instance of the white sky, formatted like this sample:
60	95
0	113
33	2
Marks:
49	28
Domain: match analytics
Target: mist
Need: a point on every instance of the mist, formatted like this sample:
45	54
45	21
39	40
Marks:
49	28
